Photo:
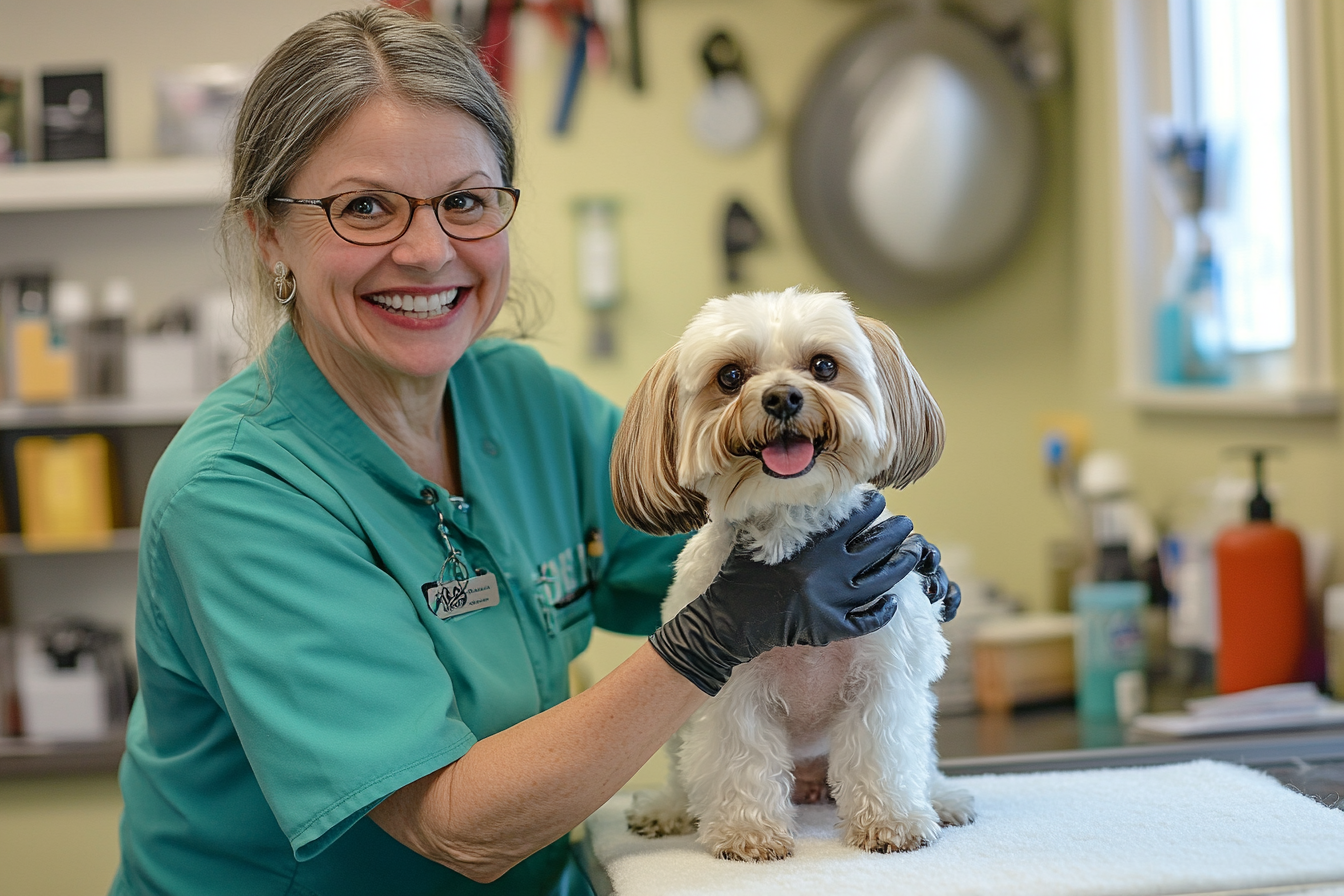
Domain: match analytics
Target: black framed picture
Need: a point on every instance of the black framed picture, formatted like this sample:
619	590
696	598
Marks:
74	119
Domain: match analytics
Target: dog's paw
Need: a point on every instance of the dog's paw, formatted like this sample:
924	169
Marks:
749	845
953	805
894	834
659	815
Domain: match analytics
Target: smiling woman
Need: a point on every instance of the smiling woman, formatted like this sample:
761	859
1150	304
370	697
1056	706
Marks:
350	309
367	561
336	531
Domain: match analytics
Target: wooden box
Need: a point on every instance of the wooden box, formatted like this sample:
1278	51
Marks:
1023	659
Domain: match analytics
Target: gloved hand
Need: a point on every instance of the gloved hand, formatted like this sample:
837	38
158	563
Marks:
936	584
826	592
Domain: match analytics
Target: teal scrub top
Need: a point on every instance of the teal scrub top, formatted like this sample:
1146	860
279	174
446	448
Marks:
293	672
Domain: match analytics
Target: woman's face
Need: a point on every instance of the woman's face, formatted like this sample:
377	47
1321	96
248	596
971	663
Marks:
390	145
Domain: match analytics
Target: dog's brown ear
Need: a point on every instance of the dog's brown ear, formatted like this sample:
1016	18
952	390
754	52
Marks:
644	459
914	419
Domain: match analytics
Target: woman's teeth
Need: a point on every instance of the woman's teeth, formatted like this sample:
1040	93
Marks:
421	306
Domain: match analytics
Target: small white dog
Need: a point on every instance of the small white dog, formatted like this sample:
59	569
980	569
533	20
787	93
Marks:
703	445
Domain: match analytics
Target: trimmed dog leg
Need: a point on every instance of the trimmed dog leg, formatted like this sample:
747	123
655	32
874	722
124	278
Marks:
736	768
883	807
881	764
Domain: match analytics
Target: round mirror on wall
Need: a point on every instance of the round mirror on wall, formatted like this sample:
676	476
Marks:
915	158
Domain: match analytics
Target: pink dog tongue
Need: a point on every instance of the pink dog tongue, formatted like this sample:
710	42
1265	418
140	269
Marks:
788	455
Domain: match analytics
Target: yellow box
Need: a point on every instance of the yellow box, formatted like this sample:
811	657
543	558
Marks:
65	491
44	373
1023	659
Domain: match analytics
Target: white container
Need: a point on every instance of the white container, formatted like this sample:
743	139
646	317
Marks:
220	350
59	704
161	366
71	301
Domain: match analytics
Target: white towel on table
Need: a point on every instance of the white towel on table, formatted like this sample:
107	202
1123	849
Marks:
1193	827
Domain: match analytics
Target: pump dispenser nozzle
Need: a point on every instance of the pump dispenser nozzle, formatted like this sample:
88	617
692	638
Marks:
1260	509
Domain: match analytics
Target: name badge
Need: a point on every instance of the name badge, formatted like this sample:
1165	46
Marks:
448	599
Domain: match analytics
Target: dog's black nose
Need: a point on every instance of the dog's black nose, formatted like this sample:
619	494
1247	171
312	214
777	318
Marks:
782	402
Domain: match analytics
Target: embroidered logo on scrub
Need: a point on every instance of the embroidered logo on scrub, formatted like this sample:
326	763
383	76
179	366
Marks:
448	599
569	576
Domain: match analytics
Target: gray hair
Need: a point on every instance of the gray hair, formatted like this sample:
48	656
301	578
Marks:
307	88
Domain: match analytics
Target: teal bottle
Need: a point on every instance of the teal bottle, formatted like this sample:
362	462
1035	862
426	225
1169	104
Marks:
1107	642
1191	334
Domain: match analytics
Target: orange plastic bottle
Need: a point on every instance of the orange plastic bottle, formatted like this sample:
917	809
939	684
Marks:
1262	610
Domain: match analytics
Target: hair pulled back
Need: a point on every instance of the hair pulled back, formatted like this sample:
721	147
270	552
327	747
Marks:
306	89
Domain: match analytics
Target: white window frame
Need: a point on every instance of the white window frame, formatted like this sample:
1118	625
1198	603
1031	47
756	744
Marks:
1143	89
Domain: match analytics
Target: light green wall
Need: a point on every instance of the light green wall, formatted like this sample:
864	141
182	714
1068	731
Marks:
1038	338
995	359
58	835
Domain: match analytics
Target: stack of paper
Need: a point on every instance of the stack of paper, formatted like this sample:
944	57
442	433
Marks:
1261	709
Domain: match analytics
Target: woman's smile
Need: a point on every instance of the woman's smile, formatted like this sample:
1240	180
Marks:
417	304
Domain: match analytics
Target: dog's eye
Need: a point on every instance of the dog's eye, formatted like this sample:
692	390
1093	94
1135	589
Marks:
824	368
731	378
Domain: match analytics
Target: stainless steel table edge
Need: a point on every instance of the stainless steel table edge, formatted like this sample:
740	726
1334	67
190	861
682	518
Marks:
1254	751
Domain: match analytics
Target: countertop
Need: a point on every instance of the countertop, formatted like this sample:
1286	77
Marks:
1039	738
1051	736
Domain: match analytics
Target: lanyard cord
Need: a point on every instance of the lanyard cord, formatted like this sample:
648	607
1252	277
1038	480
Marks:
460	571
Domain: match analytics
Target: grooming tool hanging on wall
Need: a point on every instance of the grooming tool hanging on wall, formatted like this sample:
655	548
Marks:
598	265
494	47
741	234
485	23
728	115
916	155
598	37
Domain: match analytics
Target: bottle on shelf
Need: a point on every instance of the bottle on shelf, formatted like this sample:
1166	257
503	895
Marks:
71	312
1110	654
1262	608
104	356
1334	640
43	365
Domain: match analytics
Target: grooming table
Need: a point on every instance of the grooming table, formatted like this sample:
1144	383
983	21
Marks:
1196	827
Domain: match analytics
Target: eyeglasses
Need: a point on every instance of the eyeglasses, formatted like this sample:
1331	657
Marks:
379	217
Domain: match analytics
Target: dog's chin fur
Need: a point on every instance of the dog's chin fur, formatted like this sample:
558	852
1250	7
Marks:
852	721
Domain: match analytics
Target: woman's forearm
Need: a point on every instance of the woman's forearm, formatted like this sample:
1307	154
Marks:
518	790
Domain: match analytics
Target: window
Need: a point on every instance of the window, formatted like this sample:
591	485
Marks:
1224	183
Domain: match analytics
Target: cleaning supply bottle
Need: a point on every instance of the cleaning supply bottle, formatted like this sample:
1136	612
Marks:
1334	640
1262	608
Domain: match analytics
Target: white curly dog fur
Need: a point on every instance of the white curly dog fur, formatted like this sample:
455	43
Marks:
699	448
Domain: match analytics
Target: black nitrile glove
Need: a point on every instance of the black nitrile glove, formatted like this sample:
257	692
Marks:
826	592
936	584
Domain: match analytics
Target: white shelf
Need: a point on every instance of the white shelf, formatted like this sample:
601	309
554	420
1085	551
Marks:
1237	402
20	757
105	412
123	541
154	183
